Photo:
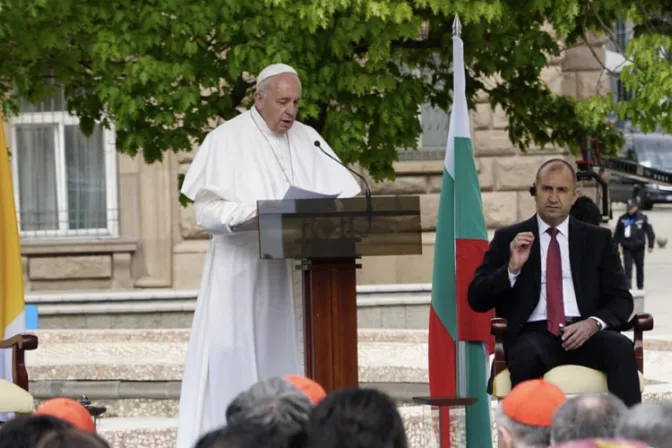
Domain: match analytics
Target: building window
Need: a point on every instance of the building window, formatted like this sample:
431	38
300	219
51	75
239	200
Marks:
64	182
622	34
434	138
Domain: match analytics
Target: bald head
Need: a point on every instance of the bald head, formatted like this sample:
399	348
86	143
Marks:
587	416
555	165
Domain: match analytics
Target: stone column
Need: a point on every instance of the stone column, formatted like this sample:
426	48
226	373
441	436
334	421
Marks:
155	241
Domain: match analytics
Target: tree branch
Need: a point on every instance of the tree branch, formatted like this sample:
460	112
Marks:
239	91
597	58
642	10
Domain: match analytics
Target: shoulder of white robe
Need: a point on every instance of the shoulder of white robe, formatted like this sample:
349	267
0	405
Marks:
350	185
193	180
195	177
308	134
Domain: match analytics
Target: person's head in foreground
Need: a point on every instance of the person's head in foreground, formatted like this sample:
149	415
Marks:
556	191
71	438
586	416
69	410
25	431
525	416
249	436
584	209
602	443
274	404
277	96
362	418
650	422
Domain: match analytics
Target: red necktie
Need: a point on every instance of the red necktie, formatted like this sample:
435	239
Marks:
555	308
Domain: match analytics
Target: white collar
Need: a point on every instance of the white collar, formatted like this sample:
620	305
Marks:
261	123
563	228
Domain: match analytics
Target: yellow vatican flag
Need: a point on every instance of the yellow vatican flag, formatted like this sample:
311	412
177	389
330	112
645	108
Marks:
12	320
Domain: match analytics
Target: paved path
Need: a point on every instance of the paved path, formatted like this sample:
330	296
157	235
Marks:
657	271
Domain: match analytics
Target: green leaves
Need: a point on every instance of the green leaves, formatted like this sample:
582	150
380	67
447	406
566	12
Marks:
164	70
649	78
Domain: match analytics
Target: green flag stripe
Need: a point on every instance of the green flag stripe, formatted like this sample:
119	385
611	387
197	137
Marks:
478	415
469	222
443	282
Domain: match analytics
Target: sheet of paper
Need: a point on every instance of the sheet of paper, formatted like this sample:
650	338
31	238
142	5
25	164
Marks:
299	193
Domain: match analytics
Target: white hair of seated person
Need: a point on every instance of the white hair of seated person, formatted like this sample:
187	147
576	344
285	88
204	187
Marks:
511	434
649	422
271	403
587	416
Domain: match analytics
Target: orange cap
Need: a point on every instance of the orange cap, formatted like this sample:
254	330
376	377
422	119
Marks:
533	402
309	387
69	410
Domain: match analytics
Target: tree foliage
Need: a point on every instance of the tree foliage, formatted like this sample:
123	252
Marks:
646	74
164	70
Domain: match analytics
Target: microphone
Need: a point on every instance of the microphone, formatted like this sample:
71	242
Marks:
368	190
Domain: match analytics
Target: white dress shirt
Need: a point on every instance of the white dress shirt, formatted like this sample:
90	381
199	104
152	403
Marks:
568	293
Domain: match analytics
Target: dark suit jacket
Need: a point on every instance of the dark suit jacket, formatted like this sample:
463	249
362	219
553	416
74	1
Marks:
599	282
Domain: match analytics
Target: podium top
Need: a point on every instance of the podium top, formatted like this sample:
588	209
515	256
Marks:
339	227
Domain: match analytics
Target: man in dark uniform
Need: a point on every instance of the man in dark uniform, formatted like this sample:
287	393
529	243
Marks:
632	231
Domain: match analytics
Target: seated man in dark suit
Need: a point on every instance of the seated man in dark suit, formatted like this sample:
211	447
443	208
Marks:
560	284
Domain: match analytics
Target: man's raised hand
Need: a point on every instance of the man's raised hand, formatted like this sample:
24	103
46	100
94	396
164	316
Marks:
520	247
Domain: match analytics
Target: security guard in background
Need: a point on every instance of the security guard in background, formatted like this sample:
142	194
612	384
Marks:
632	231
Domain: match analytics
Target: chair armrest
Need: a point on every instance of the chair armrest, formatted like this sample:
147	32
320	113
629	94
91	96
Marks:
19	344
643	322
498	328
640	323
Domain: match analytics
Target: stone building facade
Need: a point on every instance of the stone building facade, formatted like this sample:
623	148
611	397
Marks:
155	242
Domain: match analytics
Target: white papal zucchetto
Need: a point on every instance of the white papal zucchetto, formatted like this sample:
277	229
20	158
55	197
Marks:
272	70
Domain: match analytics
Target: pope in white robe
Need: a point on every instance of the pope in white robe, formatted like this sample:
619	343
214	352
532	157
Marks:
244	327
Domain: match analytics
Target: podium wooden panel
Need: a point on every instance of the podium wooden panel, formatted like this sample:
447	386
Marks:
328	236
330	322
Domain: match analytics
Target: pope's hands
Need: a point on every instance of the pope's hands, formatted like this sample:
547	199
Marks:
520	248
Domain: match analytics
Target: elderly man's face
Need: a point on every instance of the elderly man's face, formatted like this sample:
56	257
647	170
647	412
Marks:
278	104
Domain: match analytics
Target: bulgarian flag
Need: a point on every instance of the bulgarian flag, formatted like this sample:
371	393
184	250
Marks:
459	338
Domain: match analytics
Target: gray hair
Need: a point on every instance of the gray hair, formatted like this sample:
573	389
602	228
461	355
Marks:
525	436
649	422
273	403
587	416
266	83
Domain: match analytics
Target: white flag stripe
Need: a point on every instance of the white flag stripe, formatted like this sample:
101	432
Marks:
459	114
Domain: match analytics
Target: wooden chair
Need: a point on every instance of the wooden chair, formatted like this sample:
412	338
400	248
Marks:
571	378
15	397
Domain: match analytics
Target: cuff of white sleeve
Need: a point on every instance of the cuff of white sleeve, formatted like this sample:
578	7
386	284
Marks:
600	322
513	277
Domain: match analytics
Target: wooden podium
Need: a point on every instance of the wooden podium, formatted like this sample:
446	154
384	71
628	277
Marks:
327	236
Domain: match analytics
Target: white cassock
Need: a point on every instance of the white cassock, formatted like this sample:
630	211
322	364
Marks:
244	327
